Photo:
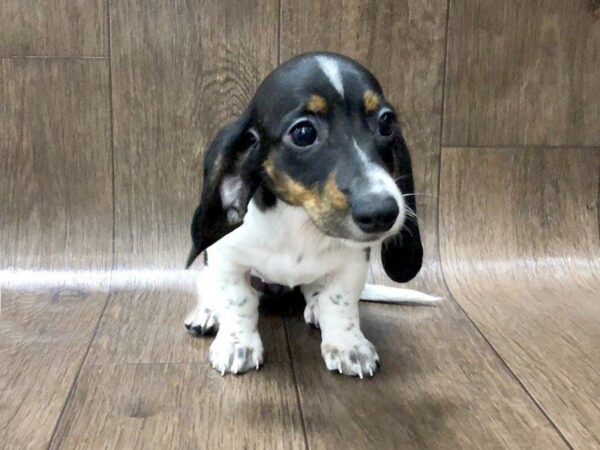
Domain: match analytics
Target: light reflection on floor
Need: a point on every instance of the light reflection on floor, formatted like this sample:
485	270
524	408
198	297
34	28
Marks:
97	279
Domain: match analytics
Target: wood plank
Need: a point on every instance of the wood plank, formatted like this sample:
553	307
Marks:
173	406
521	252
440	386
522	73
179	74
44	335
145	325
56	190
57	28
403	44
172	91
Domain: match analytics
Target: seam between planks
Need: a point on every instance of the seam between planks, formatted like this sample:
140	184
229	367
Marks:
280	12
112	140
77	375
296	386
442	148
503	362
598	203
443	105
112	265
284	319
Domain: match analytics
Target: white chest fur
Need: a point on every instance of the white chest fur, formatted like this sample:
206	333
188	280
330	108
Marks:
282	245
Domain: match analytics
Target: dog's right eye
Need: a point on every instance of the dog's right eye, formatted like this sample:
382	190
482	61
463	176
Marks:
303	134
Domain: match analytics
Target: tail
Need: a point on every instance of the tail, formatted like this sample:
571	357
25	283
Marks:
389	294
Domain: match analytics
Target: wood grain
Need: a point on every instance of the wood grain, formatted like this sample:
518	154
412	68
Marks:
56	209
521	253
146	326
69	28
522	73
440	386
188	406
179	74
402	43
44	335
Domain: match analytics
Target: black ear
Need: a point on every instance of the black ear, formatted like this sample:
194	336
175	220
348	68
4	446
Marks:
231	166
402	254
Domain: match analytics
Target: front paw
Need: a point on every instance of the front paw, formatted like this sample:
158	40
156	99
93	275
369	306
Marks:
350	354
236	353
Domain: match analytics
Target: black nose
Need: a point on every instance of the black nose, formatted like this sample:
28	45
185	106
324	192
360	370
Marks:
375	213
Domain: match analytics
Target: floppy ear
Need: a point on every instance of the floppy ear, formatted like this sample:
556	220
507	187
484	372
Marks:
231	166
402	254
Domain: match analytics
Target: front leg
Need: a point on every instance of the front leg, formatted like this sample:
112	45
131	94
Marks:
343	345
237	347
204	319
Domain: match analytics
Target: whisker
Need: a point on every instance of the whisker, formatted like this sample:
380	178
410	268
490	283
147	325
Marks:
410	214
410	211
417	193
409	230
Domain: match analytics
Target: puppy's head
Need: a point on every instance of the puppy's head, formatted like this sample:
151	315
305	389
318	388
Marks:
318	134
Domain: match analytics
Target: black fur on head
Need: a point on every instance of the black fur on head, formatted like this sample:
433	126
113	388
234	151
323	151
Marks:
318	134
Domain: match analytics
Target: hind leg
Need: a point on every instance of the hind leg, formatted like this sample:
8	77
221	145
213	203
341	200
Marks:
311	294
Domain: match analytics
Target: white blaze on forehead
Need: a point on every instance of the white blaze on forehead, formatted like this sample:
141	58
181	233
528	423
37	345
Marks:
331	69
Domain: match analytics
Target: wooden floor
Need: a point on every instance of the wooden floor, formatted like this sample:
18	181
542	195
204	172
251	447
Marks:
105	110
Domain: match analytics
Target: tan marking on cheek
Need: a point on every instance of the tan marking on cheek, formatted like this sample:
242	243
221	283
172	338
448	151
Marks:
323	206
292	191
300	194
268	166
316	104
371	101
333	195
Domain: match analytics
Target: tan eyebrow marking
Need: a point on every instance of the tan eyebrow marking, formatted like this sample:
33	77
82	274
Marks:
371	101
316	104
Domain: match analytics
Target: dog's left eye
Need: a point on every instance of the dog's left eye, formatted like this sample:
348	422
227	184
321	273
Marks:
303	134
386	123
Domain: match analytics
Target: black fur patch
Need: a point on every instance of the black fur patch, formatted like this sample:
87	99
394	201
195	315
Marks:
264	198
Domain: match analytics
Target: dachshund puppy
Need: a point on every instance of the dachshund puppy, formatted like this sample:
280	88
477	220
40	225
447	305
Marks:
298	191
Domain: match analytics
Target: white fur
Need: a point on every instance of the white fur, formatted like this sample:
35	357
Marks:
282	245
331	69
